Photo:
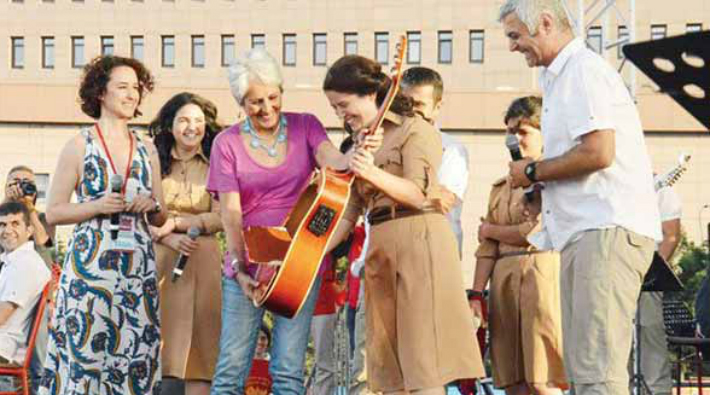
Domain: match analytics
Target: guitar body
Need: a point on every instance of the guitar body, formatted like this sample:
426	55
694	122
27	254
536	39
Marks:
300	244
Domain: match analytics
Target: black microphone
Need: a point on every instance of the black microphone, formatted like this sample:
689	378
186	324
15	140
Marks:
511	141
193	233
116	186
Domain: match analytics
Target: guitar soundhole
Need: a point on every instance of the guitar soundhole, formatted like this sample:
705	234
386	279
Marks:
320	223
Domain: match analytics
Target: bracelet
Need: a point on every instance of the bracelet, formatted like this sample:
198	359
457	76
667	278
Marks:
472	295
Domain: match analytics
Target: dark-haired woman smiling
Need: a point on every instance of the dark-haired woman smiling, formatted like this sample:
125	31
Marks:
419	328
190	307
106	335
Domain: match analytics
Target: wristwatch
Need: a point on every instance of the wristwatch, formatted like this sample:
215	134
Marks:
530	171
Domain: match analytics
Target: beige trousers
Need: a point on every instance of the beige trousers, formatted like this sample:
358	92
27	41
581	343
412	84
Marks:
601	276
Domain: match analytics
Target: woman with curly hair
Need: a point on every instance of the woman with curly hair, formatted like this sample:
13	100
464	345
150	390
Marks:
106	333
183	133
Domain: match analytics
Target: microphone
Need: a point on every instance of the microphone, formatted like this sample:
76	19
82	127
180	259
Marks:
511	141
181	262
116	186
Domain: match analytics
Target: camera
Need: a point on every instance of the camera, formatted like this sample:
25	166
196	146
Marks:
27	187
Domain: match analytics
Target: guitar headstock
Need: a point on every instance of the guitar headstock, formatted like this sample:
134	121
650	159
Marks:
396	77
674	174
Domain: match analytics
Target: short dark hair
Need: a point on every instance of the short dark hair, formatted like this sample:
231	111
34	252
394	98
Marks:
97	74
527	107
267	332
161	128
424	76
9	208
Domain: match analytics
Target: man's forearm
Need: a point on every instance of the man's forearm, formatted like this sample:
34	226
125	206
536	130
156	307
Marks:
40	235
594	153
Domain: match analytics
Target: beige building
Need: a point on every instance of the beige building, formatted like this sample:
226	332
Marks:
186	44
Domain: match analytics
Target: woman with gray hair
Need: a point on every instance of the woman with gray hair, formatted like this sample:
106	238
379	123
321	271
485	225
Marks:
258	169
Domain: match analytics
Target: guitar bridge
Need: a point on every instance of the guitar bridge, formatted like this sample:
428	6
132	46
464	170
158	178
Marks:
320	223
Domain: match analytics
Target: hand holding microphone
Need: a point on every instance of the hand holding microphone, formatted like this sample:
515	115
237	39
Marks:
193	233
517	167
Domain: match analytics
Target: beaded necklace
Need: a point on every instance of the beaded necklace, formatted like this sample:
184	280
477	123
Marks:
256	140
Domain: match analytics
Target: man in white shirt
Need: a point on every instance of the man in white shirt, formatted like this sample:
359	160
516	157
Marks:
426	88
22	277
655	361
598	204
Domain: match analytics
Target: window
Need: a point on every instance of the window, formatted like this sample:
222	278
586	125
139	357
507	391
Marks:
198	51
623	37
446	43
42	182
594	39
350	43
320	49
47	52
258	41
228	50
106	45
476	41
168	51
382	47
414	47
77	52
289	50
137	47
18	52
658	32
694	27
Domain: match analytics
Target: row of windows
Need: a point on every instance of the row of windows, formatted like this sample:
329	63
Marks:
228	48
595	38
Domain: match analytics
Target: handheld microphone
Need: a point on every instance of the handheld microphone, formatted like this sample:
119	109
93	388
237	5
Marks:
193	233
511	141
116	186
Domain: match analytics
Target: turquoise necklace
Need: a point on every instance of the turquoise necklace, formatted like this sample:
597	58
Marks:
256	140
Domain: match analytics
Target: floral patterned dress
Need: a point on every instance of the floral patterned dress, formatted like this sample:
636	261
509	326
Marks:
105	338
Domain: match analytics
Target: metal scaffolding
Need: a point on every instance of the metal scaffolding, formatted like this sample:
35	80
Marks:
596	12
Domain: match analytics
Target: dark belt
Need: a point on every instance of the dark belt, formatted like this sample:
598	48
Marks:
384	214
520	253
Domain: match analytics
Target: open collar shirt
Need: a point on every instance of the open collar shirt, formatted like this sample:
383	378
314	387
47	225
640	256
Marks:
582	93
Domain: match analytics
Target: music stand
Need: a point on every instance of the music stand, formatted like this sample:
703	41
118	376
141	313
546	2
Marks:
676	64
659	278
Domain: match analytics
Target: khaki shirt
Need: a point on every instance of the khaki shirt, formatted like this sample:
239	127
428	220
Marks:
185	193
411	149
506	206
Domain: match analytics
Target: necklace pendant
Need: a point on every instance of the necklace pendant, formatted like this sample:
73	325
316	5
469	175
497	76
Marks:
272	152
255	143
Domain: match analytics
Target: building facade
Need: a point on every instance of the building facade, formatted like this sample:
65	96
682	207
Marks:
187	44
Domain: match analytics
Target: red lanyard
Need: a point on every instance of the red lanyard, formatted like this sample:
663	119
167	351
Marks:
110	160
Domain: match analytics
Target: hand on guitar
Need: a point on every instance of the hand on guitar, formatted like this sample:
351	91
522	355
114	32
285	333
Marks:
249	286
362	164
373	141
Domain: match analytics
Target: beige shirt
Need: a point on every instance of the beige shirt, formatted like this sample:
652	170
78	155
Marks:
185	193
411	149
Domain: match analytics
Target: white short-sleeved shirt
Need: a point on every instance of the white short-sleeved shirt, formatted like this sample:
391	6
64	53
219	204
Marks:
22	279
453	175
583	93
669	204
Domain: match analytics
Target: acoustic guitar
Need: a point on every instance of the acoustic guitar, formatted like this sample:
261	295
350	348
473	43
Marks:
288	257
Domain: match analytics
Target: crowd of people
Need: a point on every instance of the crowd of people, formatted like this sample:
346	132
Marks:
568	236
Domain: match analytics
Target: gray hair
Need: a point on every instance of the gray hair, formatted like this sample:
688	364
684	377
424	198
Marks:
529	12
255	65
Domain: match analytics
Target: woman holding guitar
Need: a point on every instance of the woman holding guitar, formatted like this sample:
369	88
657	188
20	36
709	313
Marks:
258	168
419	327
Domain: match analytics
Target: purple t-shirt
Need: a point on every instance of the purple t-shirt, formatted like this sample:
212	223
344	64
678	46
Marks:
267	194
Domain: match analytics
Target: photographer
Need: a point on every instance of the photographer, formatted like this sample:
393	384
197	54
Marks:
21	187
